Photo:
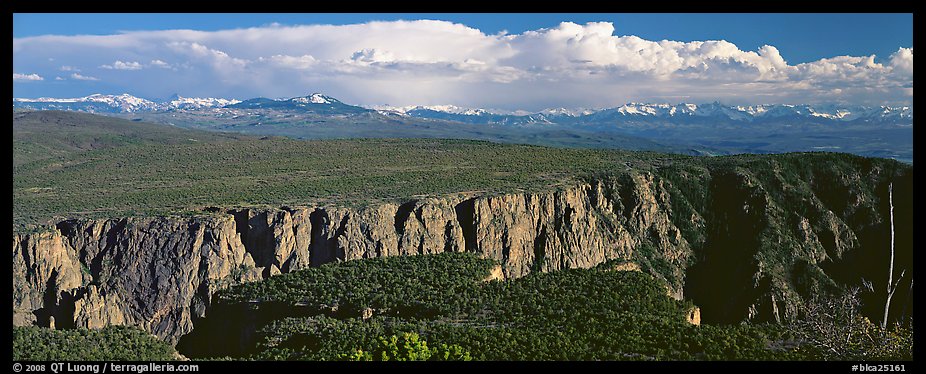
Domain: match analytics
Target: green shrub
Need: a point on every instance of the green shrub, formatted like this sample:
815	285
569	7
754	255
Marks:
576	314
410	347
32	343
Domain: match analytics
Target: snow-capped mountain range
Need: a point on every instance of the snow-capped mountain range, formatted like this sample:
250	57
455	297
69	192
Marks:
769	111
124	103
92	103
631	112
641	110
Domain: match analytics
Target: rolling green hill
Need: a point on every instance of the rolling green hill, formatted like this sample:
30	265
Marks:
40	135
73	165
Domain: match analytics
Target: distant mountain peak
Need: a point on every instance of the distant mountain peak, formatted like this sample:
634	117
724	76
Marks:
315	98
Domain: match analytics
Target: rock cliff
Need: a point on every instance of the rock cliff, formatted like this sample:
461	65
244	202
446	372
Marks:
742	245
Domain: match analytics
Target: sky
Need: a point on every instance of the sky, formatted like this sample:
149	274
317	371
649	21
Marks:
499	61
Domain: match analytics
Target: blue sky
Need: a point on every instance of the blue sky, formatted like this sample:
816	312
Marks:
804	37
742	70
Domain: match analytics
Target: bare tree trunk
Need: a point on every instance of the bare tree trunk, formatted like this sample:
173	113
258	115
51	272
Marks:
891	286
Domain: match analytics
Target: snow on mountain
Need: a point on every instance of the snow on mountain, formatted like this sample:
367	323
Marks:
684	109
315	98
390	109
179	102
628	112
448	109
562	112
451	109
95	102
834	112
122	103
768	111
641	109
892	112
753	110
46	100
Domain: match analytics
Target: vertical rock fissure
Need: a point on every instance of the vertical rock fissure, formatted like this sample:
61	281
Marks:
401	216
260	240
506	246
540	244
466	217
333	245
318	244
448	237
567	216
64	313
241	223
44	315
418	214
24	249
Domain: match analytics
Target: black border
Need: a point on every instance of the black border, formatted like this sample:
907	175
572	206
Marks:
612	6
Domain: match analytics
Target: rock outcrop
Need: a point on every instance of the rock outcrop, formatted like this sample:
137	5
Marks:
694	316
160	273
154	273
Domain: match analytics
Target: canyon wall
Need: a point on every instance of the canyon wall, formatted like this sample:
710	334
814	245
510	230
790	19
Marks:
742	254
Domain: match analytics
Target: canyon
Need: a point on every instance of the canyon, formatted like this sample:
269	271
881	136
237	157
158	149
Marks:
744	244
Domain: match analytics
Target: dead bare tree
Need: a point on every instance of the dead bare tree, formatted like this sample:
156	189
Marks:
835	327
831	327
891	285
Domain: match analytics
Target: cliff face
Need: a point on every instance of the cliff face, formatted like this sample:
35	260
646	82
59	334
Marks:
155	273
160	273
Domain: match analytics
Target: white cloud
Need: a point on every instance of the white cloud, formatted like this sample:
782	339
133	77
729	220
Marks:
159	64
292	62
902	62
68	68
218	59
59	79
83	77
436	62
120	65
27	77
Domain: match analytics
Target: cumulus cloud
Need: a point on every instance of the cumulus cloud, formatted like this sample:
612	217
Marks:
219	60
159	64
120	65
436	62
27	77
902	62
83	77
